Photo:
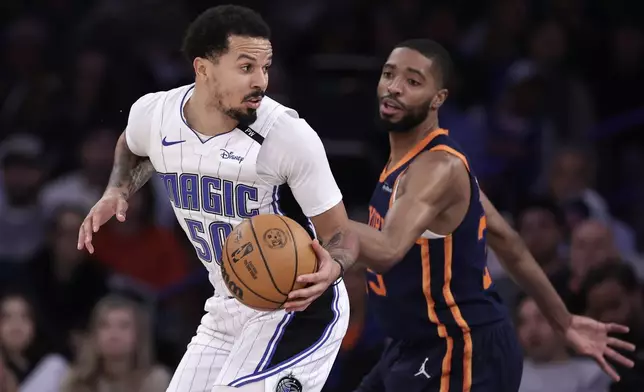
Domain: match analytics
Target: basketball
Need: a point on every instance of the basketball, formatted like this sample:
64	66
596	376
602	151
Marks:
262	257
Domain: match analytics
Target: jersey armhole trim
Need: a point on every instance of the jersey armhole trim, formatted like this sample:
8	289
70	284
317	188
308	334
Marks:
452	151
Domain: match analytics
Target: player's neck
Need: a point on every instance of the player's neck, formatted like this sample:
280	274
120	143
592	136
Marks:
204	119
401	143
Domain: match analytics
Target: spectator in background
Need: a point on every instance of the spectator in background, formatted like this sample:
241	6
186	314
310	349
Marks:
541	225
24	346
68	281
28	88
21	225
547	365
570	177
570	182
591	246
117	355
7	380
612	294
521	130
567	98
85	186
139	249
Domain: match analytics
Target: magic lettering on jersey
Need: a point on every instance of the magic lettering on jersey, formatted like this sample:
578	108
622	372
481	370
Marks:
191	192
210	194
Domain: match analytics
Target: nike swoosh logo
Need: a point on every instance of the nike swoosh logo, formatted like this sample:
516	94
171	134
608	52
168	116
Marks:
167	143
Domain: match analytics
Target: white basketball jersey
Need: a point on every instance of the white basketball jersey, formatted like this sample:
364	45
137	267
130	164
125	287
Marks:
213	183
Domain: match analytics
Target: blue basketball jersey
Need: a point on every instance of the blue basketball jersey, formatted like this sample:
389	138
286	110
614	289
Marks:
442	287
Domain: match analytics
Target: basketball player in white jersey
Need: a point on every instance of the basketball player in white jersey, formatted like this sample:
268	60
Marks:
224	152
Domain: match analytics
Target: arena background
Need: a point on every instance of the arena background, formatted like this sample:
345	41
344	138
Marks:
546	101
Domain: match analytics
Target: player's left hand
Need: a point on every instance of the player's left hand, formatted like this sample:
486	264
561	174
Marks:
328	272
590	337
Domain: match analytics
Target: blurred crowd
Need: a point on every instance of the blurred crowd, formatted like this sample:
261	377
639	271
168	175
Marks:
545	99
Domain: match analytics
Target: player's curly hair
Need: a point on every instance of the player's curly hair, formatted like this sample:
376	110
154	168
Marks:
207	36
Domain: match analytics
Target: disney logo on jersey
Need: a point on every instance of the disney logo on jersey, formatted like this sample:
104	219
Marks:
231	155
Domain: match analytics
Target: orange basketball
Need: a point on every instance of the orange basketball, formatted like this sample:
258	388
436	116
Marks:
263	256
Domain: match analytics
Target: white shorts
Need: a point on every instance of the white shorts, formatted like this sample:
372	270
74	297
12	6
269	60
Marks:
236	345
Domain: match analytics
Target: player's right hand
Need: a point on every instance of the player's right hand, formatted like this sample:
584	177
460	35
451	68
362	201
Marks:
112	203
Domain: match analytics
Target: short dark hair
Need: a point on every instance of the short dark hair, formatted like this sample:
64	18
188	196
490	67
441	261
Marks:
543	204
442	61
617	270
207	36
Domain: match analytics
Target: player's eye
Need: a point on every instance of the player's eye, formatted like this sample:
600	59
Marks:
246	68
413	82
386	74
266	68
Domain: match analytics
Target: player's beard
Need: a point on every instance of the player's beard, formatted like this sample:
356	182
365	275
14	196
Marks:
410	120
245	116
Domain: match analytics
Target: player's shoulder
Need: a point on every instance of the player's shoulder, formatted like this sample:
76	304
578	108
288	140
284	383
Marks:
168	98
286	124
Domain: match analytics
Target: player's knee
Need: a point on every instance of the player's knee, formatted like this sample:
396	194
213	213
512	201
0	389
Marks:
254	387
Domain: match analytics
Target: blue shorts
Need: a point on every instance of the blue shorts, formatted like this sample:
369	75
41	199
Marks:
487	359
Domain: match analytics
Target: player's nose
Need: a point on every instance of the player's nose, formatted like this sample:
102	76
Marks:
260	80
395	87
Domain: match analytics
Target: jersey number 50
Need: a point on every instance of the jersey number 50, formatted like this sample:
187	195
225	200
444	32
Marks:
217	233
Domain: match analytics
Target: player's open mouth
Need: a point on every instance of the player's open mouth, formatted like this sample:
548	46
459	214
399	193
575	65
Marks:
253	103
389	107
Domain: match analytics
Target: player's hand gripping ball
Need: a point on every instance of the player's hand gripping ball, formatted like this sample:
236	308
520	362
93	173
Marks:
262	258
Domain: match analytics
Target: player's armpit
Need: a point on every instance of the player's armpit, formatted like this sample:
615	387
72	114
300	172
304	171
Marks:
332	229
429	189
523	268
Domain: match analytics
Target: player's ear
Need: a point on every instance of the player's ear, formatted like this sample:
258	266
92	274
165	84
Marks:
199	66
439	98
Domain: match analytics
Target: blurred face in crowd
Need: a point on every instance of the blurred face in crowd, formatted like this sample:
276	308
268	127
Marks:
537	338
116	334
548	45
16	324
541	233
97	153
22	180
591	246
610	302
407	90
569	176
64	233
90	70
237	80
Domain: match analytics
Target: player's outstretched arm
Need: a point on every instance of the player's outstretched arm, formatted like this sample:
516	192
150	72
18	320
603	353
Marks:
588	337
426	194
129	173
522	267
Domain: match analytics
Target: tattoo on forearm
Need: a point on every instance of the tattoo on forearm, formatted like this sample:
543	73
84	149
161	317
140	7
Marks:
140	175
334	246
130	172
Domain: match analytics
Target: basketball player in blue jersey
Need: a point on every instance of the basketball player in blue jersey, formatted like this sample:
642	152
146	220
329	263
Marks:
425	246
